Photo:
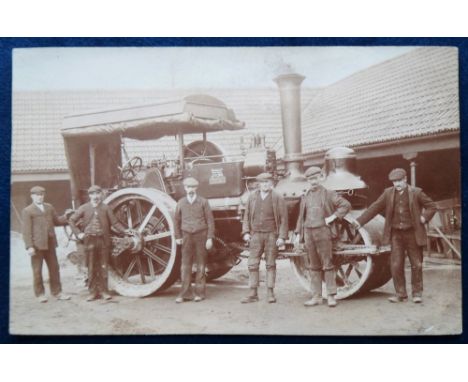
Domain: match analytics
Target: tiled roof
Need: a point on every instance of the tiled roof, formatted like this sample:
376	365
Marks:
37	116
412	95
415	94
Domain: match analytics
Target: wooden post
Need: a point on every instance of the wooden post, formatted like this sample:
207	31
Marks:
76	202
411	157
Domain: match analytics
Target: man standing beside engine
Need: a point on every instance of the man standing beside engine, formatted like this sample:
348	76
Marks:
194	230
265	227
406	210
318	209
91	223
39	220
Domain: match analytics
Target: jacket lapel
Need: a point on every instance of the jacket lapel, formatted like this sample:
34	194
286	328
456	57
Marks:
39	210
410	197
390	204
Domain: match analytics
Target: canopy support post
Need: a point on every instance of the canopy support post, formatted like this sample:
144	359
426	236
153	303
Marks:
180	141
92	163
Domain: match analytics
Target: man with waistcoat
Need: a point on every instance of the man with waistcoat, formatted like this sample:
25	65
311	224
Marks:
39	220
194	230
265	228
406	210
91	223
319	207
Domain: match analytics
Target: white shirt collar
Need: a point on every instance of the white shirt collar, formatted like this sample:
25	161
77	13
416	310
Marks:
263	194
40	206
191	199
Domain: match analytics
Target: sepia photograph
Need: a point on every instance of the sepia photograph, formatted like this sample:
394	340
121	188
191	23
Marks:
312	191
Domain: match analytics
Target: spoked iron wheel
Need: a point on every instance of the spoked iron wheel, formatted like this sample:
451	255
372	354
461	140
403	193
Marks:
153	264
199	152
131	168
357	273
220	260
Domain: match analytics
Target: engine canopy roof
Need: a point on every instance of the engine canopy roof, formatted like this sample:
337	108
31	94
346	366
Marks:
198	113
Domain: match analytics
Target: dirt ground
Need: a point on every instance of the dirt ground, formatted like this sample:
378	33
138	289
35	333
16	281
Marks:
222	313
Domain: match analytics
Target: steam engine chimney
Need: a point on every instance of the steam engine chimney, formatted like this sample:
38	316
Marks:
290	95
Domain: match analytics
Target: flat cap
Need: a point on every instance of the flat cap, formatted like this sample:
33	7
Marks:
313	171
397	174
263	177
38	190
190	181
94	189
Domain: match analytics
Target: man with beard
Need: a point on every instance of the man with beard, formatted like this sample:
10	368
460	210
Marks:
406	210
91	223
39	220
265	228
194	230
318	209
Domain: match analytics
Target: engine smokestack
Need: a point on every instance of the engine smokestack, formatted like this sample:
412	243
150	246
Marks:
290	96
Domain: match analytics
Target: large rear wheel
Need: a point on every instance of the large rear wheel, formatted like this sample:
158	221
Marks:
153	264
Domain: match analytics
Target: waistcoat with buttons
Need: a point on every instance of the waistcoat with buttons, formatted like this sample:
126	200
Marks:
263	216
95	226
401	218
193	216
315	214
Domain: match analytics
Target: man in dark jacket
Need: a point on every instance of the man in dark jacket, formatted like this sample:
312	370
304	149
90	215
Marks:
406	210
265	228
318	209
39	220
91	223
194	230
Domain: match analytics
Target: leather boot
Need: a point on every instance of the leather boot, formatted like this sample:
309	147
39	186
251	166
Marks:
316	300
252	297
331	301
271	296
397	299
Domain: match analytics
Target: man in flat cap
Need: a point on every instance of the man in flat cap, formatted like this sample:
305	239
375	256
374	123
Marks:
194	230
319	207
265	228
406	210
39	220
91	223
